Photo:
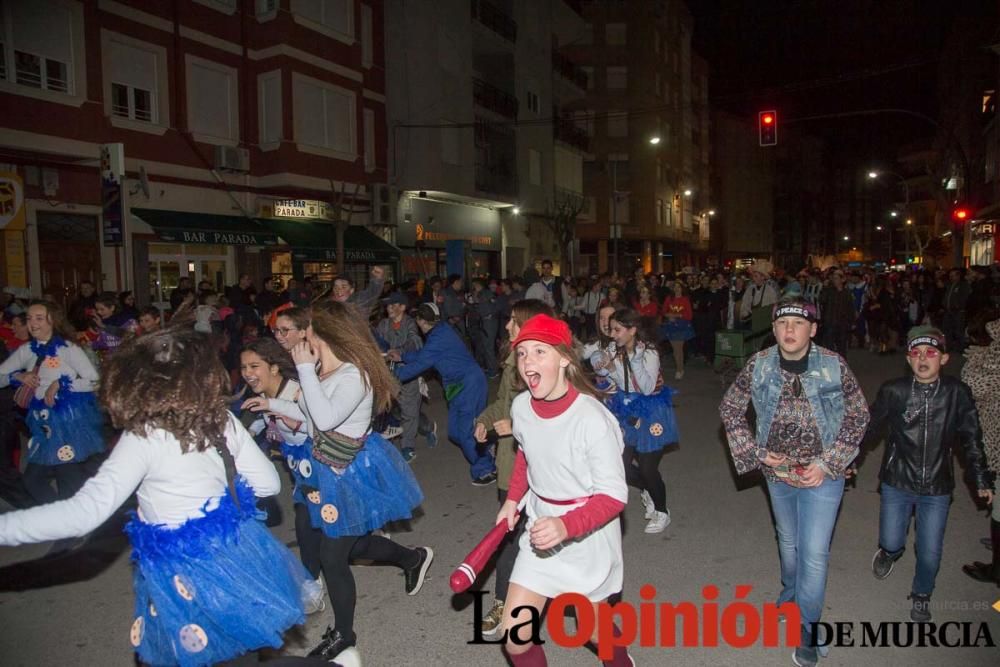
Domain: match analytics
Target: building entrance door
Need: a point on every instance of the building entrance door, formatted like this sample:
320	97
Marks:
69	253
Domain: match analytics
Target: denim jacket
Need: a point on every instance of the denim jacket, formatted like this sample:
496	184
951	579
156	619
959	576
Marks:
821	383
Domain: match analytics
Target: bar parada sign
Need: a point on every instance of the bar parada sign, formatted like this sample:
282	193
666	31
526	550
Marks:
216	238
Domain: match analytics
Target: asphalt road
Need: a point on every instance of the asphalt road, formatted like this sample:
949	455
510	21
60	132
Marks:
77	609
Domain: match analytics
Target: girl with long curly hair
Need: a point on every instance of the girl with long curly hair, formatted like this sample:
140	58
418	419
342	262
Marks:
56	381
354	481
211	582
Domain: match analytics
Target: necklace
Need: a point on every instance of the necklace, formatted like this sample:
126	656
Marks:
911	414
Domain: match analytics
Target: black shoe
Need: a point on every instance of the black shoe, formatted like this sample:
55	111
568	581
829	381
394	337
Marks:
920	612
415	575
983	572
332	644
485	480
883	562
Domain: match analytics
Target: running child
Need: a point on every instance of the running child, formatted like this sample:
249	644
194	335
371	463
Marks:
644	408
570	471
930	416
62	415
211	582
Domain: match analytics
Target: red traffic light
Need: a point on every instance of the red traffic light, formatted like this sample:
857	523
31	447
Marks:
767	127
960	214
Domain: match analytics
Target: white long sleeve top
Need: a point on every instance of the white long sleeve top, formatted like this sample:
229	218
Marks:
286	400
339	402
172	486
70	361
644	370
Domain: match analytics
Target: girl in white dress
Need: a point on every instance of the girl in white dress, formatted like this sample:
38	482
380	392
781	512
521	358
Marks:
570	471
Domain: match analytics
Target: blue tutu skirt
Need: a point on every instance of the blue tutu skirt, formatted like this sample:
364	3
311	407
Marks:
214	588
677	329
376	488
648	422
68	432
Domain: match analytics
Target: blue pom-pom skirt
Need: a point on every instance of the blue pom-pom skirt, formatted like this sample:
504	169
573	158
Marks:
214	588
376	488
648	422
68	432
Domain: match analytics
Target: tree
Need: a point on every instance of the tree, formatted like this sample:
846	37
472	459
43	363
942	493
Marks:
560	218
341	214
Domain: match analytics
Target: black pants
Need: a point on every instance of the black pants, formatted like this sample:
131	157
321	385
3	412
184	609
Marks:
284	661
69	478
336	554
644	474
309	540
507	554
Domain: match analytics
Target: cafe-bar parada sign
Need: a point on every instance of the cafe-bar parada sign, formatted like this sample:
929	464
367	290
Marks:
301	208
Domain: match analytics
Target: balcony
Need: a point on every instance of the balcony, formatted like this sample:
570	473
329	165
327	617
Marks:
569	70
495	19
567	132
493	99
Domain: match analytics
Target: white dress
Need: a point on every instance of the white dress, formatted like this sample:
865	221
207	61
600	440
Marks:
574	455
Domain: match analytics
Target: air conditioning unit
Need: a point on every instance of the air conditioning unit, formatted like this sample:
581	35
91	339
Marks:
384	200
232	158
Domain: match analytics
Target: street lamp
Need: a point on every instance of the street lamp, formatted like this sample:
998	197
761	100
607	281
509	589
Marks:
906	204
517	210
688	192
654	140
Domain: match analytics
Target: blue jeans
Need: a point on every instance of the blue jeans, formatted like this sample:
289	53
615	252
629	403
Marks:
804	520
897	507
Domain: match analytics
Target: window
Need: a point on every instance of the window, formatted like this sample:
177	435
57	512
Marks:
532	101
450	143
332	17
325	118
661	212
41	45
369	127
617	124
367	47
224	6
134	81
269	109
617	78
213	102
534	167
614	34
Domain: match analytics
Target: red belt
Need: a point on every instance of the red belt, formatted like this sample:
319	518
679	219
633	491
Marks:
572	501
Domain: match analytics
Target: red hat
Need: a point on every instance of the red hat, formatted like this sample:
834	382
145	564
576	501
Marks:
544	329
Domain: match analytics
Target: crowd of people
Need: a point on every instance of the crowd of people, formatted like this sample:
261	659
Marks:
196	413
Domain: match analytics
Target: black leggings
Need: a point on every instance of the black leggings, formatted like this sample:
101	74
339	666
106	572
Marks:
69	477
645	474
336	554
309	540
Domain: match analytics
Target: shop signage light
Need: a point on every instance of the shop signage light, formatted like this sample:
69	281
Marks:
300	208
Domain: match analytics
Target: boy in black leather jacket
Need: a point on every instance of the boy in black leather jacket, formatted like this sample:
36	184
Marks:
928	414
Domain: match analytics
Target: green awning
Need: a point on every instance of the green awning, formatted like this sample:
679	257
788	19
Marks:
184	227
312	241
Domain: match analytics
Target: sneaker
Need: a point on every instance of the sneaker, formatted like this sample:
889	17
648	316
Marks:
381	533
805	656
658	522
882	563
493	619
349	657
679	375
415	575
392	432
432	437
332	645
920	612
313	596
408	454
647	503
485	480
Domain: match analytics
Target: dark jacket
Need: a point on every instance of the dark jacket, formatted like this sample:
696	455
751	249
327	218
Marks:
918	451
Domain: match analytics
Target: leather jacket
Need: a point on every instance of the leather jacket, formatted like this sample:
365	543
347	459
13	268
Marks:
925	423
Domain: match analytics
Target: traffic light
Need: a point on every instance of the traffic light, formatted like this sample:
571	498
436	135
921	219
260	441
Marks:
767	126
961	215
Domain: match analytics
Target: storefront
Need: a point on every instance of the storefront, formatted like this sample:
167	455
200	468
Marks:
426	225
983	247
309	248
199	246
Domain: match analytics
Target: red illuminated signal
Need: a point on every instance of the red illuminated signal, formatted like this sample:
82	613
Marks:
767	127
960	214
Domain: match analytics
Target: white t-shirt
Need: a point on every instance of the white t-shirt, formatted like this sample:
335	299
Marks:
172	486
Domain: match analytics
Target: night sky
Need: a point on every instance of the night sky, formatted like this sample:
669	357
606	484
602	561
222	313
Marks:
812	57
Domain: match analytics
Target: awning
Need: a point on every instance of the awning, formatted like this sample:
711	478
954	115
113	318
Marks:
184	227
317	242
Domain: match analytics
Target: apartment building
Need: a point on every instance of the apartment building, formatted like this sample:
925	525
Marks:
215	116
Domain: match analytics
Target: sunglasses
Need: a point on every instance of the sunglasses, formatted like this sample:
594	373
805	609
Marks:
929	353
283	330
